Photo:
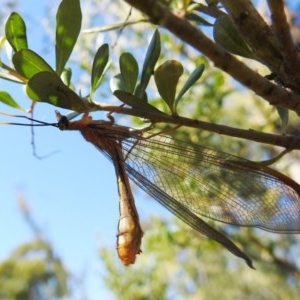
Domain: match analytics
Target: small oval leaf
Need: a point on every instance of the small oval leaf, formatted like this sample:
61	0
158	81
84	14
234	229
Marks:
15	32
166	78
196	74
226	35
48	87
8	100
99	64
135	102
152	55
129	71
29	63
68	24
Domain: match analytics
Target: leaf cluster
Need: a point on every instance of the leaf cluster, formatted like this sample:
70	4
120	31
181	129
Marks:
45	84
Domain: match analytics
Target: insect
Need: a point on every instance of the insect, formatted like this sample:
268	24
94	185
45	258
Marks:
190	181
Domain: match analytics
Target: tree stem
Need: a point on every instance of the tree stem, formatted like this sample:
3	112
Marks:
285	141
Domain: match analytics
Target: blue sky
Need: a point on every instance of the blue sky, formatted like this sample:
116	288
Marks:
72	194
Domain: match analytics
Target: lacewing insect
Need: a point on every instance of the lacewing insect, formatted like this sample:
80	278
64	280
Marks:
190	181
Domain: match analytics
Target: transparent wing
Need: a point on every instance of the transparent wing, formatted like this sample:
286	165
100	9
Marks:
194	180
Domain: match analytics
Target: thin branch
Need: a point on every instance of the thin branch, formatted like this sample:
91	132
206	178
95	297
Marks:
274	94
100	29
285	141
288	142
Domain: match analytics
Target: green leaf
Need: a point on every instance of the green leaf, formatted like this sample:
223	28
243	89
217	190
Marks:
68	24
166	78
15	32
227	35
196	74
99	64
129	71
8	100
152	55
136	102
284	116
29	63
48	87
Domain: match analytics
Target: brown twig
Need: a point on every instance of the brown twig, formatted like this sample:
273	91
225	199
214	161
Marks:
290	54
289	142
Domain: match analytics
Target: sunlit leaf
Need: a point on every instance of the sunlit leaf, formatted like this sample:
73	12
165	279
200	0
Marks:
99	64
29	63
196	74
48	87
129	71
68	24
166	78
8	100
226	35
15	32
152	55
